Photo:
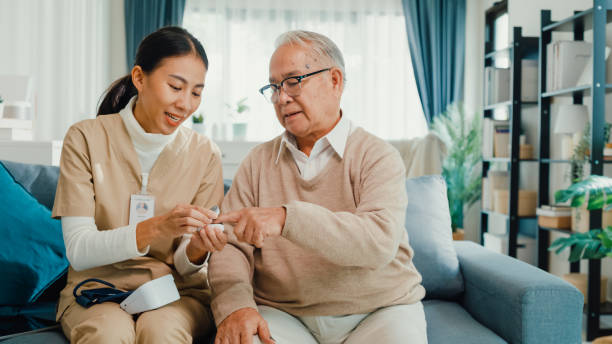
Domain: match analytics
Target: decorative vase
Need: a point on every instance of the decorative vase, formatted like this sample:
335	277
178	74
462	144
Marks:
1	109
240	130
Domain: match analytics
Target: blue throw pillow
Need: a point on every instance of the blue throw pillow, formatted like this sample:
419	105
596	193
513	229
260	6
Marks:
32	253
429	231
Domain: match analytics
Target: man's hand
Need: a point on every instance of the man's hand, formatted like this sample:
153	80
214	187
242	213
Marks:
240	327
254	225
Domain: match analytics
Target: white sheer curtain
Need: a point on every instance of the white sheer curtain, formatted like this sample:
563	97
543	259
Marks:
238	35
65	46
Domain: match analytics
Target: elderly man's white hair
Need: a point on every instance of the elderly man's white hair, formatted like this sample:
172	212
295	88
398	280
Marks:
320	44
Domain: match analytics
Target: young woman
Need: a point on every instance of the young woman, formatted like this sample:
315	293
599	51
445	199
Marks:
134	195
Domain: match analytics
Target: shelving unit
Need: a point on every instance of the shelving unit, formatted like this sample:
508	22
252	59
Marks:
520	47
594	19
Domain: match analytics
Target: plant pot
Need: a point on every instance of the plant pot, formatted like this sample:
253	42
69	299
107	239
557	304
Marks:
459	234
240	130
1	109
199	128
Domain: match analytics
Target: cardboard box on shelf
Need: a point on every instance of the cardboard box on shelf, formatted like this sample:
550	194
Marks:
526	151
580	281
495	180
527	201
501	141
580	219
559	222
554	216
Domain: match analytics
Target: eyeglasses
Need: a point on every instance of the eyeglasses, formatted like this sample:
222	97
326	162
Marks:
291	85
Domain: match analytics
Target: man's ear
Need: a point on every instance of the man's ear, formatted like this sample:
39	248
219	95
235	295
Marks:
337	79
138	78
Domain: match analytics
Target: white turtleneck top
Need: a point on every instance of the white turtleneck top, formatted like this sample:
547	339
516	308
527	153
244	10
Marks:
87	247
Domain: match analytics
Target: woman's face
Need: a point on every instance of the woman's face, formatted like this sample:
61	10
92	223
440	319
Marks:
169	94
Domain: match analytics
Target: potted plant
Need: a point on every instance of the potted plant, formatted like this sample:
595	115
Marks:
461	167
198	123
596	243
1	106
580	157
238	112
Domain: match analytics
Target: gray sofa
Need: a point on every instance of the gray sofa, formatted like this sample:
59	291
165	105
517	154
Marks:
473	295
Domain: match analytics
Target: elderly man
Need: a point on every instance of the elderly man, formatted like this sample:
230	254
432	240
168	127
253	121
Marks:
318	252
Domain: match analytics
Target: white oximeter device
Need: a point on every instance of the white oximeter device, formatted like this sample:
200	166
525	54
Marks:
151	295
216	225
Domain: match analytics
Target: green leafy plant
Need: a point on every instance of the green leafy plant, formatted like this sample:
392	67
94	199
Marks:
597	243
580	155
197	118
238	109
1	99
461	167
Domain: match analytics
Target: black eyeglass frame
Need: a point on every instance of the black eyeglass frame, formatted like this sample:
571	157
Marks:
299	78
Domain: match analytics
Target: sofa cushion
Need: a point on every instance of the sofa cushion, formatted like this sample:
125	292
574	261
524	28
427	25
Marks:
448	322
32	253
39	180
429	231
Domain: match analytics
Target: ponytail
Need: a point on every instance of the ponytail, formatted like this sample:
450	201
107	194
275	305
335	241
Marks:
166	42
117	96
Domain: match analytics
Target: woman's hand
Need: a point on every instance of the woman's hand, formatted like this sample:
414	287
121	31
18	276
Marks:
184	218
209	239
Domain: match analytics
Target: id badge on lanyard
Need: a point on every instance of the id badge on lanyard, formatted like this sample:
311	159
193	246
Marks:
142	205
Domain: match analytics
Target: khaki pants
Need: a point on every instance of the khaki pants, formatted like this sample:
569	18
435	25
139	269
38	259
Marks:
178	322
401	324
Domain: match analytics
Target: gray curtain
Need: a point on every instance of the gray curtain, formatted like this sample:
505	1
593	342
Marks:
145	16
436	37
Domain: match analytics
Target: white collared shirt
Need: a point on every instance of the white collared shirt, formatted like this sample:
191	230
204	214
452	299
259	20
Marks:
323	150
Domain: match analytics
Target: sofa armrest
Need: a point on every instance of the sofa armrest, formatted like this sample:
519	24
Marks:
519	302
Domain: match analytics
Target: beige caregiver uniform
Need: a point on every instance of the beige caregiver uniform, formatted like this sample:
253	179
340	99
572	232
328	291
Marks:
99	171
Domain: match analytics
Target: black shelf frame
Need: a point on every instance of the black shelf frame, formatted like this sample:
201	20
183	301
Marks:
520	47
594	19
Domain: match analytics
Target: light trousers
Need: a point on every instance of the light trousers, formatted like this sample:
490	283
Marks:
400	324
177	322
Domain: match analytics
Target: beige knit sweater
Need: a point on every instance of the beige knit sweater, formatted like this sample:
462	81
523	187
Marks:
343	249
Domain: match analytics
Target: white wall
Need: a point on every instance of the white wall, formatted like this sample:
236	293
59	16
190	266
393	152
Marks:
73	49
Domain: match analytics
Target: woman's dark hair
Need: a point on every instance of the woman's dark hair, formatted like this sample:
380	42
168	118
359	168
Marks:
168	41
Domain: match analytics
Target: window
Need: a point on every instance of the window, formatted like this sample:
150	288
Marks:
238	35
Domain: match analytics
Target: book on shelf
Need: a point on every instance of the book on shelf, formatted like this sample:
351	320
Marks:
554	211
566	61
495	180
495	138
497	85
529	80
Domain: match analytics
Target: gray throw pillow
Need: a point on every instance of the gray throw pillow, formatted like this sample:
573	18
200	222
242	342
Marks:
39	180
429	231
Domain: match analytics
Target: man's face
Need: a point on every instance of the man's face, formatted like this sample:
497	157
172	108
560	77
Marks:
313	112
